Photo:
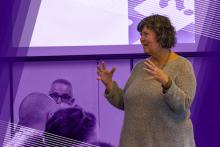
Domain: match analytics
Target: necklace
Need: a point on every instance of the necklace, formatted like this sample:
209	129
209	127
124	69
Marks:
166	61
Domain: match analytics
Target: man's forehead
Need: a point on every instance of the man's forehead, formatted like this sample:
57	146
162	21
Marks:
61	87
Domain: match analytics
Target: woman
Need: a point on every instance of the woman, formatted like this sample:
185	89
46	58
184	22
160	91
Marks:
158	94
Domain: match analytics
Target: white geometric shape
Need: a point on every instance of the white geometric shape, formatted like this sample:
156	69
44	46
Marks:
177	18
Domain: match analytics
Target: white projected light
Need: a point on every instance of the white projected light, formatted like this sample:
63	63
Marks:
81	22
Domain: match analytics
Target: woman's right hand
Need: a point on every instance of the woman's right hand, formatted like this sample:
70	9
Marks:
105	75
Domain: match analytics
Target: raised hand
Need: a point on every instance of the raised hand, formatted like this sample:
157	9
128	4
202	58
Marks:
105	75
155	72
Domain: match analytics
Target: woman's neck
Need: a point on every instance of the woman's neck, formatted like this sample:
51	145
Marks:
160	58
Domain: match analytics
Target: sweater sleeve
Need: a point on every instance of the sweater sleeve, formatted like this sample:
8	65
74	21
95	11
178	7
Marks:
115	96
182	91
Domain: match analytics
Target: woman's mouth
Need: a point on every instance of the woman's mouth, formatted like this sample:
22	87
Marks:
145	45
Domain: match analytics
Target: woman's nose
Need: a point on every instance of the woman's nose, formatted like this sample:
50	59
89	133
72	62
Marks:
142	37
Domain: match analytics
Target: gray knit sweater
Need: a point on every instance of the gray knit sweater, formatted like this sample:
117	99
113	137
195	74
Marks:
154	119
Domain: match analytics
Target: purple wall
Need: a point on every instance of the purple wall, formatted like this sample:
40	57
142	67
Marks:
38	76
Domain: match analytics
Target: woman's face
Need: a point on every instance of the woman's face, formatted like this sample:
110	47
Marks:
148	41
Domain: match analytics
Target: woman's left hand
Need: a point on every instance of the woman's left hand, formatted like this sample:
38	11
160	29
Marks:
155	72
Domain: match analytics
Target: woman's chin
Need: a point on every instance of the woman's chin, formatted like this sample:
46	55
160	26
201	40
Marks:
146	51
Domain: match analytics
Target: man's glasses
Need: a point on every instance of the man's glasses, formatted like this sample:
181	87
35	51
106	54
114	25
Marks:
64	97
